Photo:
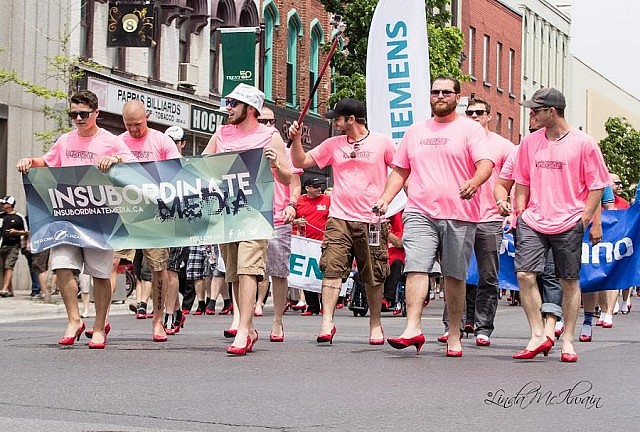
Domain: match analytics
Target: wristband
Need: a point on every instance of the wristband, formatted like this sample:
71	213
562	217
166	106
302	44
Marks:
293	205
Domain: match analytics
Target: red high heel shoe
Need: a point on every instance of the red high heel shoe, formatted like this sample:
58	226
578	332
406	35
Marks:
328	337
402	343
89	332
444	338
98	345
239	351
452	353
568	358
230	333
226	310
273	338
544	348
159	338
71	339
253	341
584	338
380	341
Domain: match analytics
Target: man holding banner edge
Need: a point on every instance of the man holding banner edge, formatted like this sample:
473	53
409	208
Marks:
245	260
87	144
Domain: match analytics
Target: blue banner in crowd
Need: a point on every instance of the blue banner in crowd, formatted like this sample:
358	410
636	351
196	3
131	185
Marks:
611	264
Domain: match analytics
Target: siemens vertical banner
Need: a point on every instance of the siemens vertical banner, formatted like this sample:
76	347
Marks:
398	71
238	57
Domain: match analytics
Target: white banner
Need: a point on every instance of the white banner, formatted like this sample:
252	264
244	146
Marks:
304	265
398	78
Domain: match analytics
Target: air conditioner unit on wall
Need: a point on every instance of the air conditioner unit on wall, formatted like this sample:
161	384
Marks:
187	74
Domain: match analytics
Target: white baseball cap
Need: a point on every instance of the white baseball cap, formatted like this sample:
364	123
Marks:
176	133
249	95
9	200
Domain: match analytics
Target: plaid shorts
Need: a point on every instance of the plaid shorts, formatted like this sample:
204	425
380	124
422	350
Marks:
197	263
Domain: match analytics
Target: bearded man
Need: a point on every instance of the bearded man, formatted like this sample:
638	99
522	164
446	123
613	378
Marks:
448	159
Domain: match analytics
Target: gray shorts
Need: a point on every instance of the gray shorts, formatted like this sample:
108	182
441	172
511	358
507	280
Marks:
532	249
424	239
279	252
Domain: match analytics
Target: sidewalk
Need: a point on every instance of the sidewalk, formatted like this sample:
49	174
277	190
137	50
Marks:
23	308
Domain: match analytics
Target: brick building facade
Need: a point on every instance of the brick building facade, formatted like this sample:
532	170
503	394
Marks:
492	50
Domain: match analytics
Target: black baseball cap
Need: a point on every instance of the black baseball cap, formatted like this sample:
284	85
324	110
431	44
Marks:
347	107
313	181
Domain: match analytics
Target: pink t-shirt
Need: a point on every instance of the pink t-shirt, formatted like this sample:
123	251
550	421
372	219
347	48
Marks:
506	173
281	193
154	146
441	157
357	182
501	149
229	138
72	149
559	175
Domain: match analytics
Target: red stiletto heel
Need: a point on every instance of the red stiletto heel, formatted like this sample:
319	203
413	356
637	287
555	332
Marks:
327	337
568	358
71	339
544	348
380	341
89	332
253	342
98	345
402	343
239	351
273	338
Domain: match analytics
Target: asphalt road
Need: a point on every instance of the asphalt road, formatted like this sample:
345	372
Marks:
190	384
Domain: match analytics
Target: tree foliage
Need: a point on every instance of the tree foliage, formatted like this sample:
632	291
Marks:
620	149
62	68
445	45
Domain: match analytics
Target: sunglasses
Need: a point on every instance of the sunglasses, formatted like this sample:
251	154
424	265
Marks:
445	93
354	152
476	112
618	183
231	102
268	122
83	114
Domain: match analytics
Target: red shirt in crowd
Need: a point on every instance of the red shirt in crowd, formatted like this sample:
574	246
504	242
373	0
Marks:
396	227
316	212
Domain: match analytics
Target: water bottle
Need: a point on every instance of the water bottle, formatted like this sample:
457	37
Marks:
302	228
375	228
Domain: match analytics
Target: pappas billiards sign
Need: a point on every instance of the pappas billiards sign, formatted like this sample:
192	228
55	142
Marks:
130	25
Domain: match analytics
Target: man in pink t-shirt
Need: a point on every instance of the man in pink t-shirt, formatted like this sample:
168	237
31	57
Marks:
245	260
148	145
482	299
359	160
285	199
560	175
88	144
448	159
